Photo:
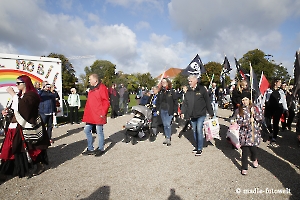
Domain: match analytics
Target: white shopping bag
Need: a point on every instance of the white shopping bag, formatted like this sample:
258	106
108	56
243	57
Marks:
233	135
212	129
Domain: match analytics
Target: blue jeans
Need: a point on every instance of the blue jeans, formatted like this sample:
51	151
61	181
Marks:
197	124
48	119
215	105
166	120
88	132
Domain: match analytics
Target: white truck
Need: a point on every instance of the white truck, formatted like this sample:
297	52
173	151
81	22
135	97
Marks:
38	68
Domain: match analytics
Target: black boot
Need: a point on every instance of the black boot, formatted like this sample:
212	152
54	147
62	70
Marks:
40	169
134	141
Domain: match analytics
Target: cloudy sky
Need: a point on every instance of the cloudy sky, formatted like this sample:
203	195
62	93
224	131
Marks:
150	35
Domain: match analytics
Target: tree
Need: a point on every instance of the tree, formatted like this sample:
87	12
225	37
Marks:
260	63
281	72
146	80
69	79
121	78
213	68
132	82
104	69
180	80
83	83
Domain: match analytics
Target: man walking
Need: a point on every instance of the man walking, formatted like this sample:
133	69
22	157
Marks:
121	99
47	107
213	94
95	114
195	104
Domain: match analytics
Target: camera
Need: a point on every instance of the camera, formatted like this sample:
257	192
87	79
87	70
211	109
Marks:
10	113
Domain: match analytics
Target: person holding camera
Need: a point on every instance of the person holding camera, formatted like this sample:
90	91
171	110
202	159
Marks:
47	107
17	154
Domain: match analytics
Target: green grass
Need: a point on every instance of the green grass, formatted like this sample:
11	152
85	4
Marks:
63	120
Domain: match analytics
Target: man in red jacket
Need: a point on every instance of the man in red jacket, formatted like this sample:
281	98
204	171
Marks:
95	114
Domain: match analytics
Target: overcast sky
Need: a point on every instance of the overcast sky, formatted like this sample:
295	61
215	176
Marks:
150	35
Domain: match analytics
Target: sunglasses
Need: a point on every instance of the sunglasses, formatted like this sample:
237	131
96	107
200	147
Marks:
18	83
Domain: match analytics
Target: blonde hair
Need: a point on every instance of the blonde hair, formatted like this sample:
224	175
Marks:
37	84
242	83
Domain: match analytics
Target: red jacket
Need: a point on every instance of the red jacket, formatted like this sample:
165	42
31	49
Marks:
97	105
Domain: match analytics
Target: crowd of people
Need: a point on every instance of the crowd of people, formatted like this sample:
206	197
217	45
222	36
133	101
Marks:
193	104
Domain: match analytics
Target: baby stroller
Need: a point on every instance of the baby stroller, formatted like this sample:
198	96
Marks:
137	126
225	101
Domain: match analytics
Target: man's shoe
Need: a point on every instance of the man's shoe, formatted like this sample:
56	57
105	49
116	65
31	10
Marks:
165	142
88	152
198	153
195	150
168	142
99	153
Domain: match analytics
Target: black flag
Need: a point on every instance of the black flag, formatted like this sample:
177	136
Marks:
255	84
225	70
226	66
297	73
240	70
196	67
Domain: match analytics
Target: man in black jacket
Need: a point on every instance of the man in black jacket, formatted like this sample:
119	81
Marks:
195	105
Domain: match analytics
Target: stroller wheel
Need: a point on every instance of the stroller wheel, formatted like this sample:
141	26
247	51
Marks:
127	138
134	141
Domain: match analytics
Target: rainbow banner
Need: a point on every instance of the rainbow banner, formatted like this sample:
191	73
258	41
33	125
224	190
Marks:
8	77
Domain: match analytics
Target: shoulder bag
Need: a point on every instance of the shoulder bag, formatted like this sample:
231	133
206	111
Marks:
32	133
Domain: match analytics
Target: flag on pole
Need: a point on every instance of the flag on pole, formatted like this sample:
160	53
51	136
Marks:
226	69
254	84
297	72
163	75
196	67
226	65
240	70
263	84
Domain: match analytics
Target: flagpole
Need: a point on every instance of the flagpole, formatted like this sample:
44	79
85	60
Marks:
211	80
162	76
288	86
251	96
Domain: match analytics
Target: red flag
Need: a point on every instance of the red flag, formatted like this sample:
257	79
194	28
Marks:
263	84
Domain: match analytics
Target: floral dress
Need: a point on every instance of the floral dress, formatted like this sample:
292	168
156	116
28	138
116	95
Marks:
245	133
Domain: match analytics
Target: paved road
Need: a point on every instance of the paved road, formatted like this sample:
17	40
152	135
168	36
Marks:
151	170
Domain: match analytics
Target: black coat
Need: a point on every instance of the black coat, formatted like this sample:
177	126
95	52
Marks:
170	97
236	97
196	103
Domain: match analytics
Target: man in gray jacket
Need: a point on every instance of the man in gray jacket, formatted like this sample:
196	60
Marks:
195	105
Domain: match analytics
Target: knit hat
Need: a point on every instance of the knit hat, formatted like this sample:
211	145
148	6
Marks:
246	94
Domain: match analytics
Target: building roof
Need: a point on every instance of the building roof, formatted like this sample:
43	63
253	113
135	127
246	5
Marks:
170	73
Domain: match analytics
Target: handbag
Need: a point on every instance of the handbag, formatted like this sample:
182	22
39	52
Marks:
212	129
32	133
